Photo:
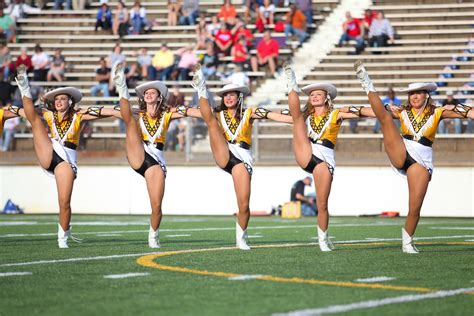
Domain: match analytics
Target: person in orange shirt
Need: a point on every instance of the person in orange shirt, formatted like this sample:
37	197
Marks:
227	13
296	24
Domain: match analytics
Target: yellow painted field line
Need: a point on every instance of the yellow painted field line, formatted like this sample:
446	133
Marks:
148	261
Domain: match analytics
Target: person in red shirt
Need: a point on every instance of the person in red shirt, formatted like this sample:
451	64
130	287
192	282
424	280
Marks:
240	30
223	40
267	53
353	30
24	59
369	16
239	53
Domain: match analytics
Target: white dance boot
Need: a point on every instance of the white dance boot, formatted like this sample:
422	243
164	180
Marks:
291	84
241	237
153	240
323	240
62	237
199	83
22	82
120	81
407	243
363	76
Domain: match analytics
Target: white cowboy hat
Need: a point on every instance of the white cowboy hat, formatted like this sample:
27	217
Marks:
329	88
417	86
74	93
157	85
233	87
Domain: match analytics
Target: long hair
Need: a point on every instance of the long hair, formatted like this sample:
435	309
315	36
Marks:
239	109
430	103
309	109
71	110
162	105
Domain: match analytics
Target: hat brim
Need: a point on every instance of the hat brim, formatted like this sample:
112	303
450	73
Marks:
243	89
428	86
74	93
329	88
157	85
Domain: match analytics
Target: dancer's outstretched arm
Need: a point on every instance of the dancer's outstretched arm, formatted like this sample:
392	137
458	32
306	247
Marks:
183	111
262	113
99	112
458	111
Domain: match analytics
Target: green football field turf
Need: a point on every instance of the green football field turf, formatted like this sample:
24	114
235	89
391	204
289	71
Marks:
198	271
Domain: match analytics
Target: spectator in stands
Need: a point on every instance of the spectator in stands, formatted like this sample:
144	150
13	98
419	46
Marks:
308	203
6	64
58	4
24	59
353	30
201	32
9	130
102	76
57	66
296	24
115	56
173	10
267	53
138	18
187	62
241	30
307	9
78	4
391	100
227	14
189	12
266	15
381	32
369	16
443	124
240	54
121	20
144	62
18	9
162	64
223	40
103	18
209	61
213	27
7	26
40	61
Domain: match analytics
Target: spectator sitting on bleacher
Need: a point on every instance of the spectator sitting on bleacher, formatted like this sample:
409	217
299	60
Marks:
381	32
57	66
266	15
267	54
391	100
6	64
144	62
162	64
7	26
18	9
187	62
241	30
59	3
443	124
24	59
295	24
250	7
240	54
102	76
227	14
369	16
223	40
115	56
173	9
103	18
121	18
307	9
202	35
189	12
138	18
353	30
213	27
209	61
40	61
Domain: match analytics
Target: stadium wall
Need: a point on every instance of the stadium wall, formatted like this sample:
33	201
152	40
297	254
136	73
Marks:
209	191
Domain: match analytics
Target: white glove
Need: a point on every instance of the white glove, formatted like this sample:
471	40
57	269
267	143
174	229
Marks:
119	81
22	82
199	83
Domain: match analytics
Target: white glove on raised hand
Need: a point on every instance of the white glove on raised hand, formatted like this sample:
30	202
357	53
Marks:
119	81
199	83
22	82
291	83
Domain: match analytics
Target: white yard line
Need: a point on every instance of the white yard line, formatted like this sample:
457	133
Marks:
375	279
453	228
245	277
376	303
6	274
177	236
126	275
